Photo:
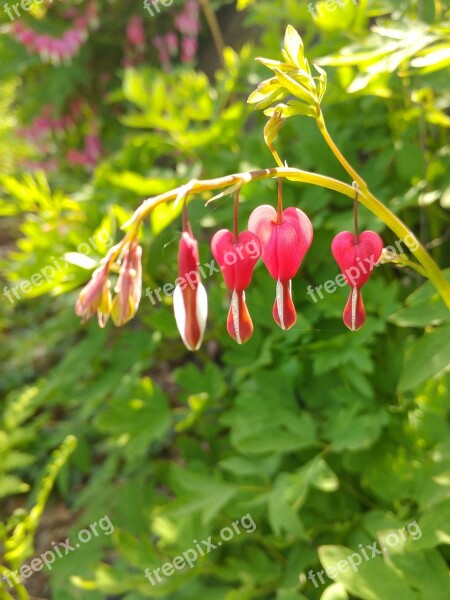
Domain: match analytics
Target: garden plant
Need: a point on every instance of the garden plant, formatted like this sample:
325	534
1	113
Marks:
267	182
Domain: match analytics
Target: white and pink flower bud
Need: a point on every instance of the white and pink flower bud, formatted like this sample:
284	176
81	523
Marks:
95	297
129	286
190	301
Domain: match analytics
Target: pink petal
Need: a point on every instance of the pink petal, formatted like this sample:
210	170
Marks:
236	259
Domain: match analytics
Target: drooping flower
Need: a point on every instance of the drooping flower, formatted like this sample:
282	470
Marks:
285	237
160	43
171	39
237	256
356	256
189	47
95	297
190	301
135	31
129	286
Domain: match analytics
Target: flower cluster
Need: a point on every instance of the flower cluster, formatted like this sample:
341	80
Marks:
96	296
187	25
281	238
47	129
63	49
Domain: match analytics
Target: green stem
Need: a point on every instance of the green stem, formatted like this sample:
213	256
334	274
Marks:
433	273
338	154
275	154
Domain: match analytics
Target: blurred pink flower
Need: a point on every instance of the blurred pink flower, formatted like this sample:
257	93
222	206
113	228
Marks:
93	146
188	49
172	43
188	22
135	31
159	42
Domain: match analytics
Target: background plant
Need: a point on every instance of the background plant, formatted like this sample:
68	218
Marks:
325	437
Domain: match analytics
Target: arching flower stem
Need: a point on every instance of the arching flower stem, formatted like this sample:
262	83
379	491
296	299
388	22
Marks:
365	198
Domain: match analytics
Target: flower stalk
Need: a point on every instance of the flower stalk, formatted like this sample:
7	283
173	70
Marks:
365	197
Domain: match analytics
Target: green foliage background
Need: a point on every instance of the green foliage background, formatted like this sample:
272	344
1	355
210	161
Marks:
329	439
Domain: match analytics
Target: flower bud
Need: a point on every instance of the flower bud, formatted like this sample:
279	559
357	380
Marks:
129	286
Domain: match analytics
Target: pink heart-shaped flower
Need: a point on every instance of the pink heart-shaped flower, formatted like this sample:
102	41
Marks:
357	259
236	259
284	244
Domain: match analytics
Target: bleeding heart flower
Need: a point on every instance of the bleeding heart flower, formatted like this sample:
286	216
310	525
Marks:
190	301
356	258
285	238
237	257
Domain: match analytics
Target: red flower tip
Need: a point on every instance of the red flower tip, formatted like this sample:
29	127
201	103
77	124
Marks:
239	322
190	301
284	245
354	315
357	259
237	259
283	309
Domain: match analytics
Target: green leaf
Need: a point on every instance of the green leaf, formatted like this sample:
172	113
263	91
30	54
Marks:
296	88
434	527
137	415
370	580
293	46
348	429
423	307
290	595
424	570
294	108
336	591
427	357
